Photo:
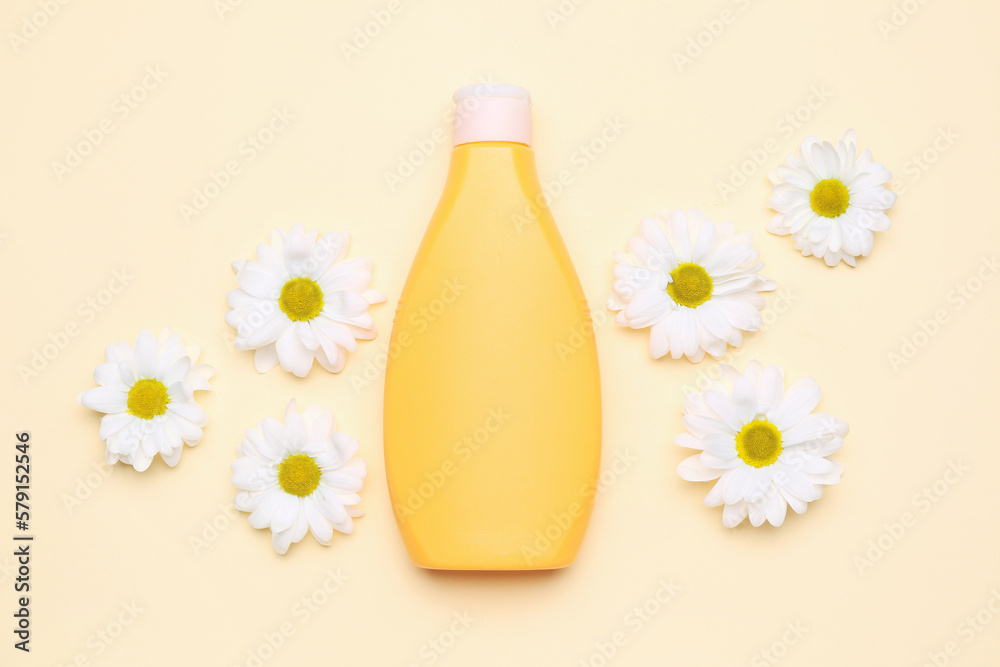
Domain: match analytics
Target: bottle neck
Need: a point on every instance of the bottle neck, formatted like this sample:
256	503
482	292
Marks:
505	167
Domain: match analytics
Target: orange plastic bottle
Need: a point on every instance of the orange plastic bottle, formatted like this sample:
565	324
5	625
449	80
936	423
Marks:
492	393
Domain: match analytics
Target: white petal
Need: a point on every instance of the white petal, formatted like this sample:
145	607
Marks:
659	340
251	477
265	358
647	307
319	525
173	457
324	353
723	406
689	441
714	497
190	411
721	446
113	423
268	329
713	317
796	177
189	432
738	484
703	426
307	335
331	507
105	400
335	331
797	484
775	507
745	400
685	327
772	388
293	355
108	375
274	434
812	426
290	515
268	505
800	399
680	232
282	540
146	354
706	242
259	283
352	275
733	514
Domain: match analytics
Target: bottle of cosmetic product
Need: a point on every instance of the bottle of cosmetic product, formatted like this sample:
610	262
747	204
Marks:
492	415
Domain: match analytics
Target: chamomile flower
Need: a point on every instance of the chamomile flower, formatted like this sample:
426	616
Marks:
299	476
147	395
693	281
831	199
761	442
301	300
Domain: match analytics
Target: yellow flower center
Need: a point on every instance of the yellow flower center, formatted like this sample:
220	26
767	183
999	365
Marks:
299	475
830	198
691	286
759	443
147	398
301	299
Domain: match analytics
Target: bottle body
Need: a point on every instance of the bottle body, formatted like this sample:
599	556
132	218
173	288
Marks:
492	419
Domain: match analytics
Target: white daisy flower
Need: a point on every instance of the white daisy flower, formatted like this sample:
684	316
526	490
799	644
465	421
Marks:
695	282
147	395
830	199
299	476
762	442
302	301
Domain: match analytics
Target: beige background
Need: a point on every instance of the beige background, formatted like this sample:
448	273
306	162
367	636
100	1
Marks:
104	542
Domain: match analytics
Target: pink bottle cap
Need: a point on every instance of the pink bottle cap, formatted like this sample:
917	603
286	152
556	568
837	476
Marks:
492	112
